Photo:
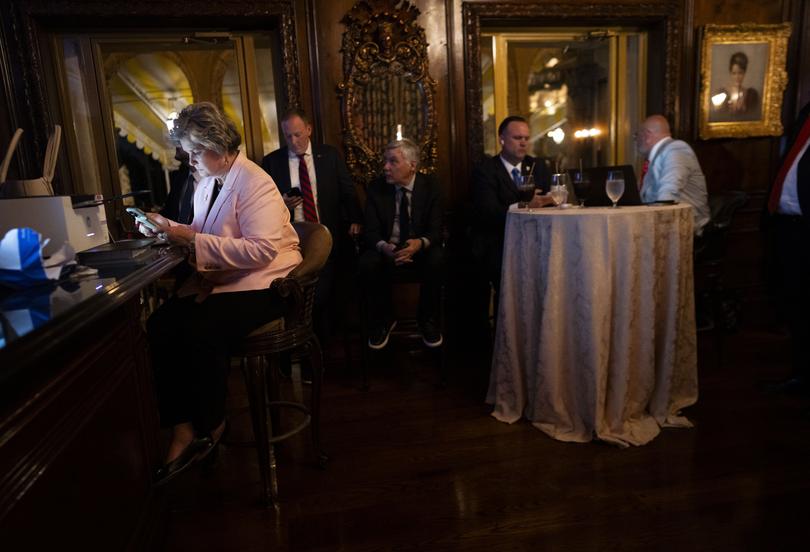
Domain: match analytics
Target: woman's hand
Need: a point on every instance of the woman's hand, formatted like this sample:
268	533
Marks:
178	234
155	219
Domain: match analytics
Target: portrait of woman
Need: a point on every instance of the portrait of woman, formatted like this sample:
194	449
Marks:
743	77
736	101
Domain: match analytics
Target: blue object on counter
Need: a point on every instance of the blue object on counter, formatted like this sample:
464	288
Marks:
21	259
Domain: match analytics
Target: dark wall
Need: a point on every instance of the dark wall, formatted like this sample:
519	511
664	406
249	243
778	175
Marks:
746	164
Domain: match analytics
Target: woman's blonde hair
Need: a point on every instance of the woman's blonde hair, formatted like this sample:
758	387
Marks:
203	124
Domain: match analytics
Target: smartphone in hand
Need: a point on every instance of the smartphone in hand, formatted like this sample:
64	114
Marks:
141	217
293	192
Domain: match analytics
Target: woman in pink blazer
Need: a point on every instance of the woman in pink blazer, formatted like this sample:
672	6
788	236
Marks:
239	241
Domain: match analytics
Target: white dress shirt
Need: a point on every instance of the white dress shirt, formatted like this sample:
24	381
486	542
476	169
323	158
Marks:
509	166
789	200
298	213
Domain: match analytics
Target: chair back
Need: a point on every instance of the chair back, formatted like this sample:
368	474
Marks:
712	246
315	242
41	186
724	206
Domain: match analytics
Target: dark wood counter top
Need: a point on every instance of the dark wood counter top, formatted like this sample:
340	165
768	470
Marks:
78	415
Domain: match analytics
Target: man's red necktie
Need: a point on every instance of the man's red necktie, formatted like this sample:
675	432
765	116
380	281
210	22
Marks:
643	172
310	213
776	190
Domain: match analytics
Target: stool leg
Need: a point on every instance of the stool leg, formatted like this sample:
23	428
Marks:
254	373
316	363
364	345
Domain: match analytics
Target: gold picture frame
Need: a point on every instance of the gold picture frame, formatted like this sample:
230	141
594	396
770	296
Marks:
743	79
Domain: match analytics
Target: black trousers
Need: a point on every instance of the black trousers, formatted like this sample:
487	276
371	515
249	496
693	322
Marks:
791	243
377	273
189	344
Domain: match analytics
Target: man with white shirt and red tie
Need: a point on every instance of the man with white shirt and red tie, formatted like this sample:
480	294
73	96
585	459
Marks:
316	186
788	220
671	170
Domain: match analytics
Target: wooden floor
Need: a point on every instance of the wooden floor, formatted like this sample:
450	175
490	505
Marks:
414	466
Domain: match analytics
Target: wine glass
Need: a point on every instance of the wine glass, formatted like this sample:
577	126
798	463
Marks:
614	186
582	185
525	190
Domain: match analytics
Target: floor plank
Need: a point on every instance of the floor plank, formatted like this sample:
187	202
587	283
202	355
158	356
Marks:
415	466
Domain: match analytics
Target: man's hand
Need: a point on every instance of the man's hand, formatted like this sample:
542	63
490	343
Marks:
405	255
292	201
540	200
388	249
355	229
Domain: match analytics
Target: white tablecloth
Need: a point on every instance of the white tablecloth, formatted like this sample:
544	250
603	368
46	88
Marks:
596	322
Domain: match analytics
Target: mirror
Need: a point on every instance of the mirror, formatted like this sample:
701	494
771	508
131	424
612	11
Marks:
387	92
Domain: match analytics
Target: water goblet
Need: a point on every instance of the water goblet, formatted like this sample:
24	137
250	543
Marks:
614	186
559	186
582	185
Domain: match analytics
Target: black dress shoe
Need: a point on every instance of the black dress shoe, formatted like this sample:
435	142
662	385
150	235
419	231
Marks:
196	450
208	458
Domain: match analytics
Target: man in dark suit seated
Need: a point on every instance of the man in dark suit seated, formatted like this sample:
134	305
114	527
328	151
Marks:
495	188
316	186
403	224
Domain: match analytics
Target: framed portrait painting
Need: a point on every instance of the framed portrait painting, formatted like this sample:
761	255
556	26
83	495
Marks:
743	79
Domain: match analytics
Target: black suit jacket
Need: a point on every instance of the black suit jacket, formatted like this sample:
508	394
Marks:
493	191
179	205
337	199
426	210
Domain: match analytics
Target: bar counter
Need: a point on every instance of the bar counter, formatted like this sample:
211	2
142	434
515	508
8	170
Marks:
78	421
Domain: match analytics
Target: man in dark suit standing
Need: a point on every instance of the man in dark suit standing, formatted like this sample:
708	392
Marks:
789	224
316	186
403	225
495	188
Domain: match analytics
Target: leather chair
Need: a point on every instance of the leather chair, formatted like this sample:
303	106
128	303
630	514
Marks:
716	309
710	256
291	337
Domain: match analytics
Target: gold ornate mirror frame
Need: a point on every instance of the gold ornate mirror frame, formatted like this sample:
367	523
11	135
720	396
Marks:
386	85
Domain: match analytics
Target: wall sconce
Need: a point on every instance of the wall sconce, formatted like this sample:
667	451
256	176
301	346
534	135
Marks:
587	133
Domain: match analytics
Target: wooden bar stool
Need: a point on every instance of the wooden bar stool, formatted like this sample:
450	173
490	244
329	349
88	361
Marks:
291	336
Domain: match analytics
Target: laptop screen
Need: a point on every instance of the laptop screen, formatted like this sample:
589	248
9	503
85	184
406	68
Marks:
597	196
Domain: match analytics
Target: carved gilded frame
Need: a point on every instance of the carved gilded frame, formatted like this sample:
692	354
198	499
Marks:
765	51
670	15
383	38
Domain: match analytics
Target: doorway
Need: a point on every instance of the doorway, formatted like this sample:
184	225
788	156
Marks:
120	94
